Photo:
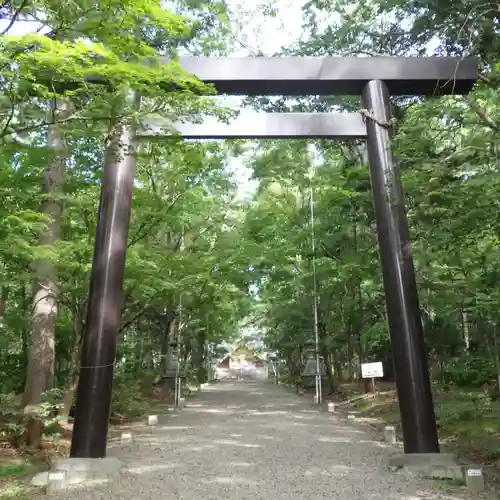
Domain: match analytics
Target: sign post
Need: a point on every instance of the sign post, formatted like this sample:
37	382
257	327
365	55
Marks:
372	370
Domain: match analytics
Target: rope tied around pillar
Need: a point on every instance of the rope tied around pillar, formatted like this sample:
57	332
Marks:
97	366
367	114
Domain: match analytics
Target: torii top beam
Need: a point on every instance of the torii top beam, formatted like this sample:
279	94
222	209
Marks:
346	126
333	75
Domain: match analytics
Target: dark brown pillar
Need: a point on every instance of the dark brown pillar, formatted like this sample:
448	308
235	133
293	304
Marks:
405	326
105	298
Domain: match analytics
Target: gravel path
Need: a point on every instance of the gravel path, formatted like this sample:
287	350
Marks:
254	441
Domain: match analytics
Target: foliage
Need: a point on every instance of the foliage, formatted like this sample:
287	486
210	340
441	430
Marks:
448	151
69	79
203	263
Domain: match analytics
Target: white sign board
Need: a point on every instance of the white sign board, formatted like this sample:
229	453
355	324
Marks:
372	370
474	472
57	476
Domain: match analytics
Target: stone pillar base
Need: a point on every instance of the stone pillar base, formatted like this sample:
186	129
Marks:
81	470
429	465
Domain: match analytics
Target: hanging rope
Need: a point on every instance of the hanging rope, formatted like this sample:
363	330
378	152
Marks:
368	115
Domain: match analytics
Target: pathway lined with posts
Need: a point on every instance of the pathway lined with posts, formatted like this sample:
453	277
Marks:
249	440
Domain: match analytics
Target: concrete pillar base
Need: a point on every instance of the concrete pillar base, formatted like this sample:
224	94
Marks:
81	470
429	465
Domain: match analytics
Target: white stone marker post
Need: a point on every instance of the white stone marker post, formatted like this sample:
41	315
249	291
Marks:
126	437
390	434
56	480
474	480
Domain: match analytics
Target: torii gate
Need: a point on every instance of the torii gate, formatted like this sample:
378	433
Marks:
376	79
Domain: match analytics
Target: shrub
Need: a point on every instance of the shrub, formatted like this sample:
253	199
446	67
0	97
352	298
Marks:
469	371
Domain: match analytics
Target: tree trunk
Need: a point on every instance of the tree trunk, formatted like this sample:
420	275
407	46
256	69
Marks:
74	370
337	369
496	357
441	369
138	347
24	331
332	386
358	319
350	350
149	362
369	385
169	336
201	372
465	330
294	364
4	293
41	365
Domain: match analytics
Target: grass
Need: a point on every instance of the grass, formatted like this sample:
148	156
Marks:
17	465
468	421
13	471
